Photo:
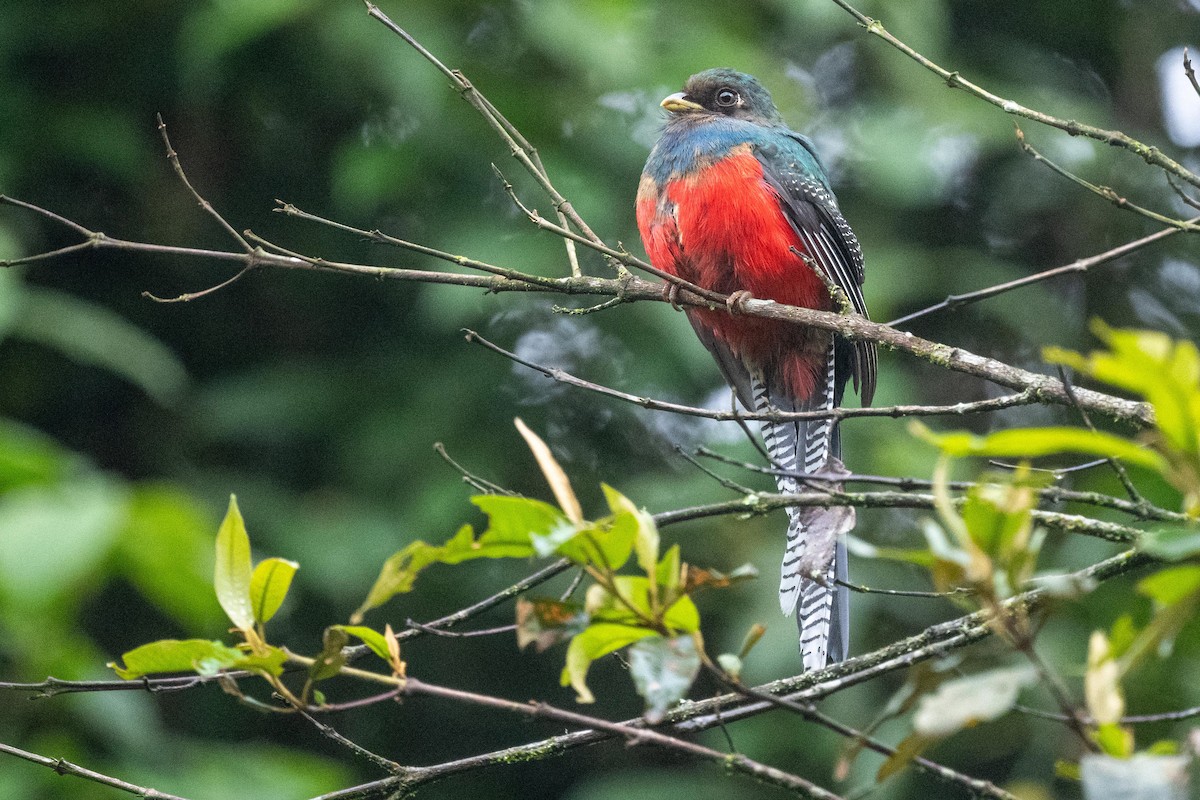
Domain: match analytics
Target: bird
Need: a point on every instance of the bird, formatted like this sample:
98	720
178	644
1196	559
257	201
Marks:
734	201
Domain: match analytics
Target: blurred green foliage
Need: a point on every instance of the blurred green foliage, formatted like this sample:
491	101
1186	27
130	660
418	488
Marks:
317	398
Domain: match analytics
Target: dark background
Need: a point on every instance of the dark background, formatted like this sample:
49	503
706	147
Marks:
125	424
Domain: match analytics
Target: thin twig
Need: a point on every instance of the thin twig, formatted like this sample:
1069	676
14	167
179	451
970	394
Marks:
632	289
1117	466
1027	397
1080	266
64	767
1106	192
173	157
977	787
1150	154
1053	494
329	732
470	478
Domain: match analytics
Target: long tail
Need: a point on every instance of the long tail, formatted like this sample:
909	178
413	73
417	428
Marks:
808	446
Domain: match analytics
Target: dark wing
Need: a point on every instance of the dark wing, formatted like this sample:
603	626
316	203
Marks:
791	170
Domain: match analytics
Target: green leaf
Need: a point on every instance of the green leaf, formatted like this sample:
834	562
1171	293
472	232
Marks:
909	748
668	572
607	544
645	538
1121	635
514	525
600	638
195	655
1171	544
372	638
1114	740
864	549
1035	442
544	622
269	584
663	670
92	334
629	606
965	702
331	659
682	616
1168	586
231	577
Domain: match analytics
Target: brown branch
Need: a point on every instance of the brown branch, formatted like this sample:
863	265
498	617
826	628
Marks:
1106	192
64	767
518	146
977	787
1027	397
173	157
630	288
1150	154
933	642
1054	494
1080	266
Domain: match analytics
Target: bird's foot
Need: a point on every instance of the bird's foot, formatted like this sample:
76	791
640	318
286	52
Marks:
736	303
671	294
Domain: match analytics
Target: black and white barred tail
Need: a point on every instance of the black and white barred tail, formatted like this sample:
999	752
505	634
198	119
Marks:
807	446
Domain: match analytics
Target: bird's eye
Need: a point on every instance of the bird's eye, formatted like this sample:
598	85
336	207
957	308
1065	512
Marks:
727	98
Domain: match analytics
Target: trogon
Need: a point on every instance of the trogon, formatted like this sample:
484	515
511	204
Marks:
734	201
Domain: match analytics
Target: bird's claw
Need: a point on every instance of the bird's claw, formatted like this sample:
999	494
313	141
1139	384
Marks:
736	302
671	294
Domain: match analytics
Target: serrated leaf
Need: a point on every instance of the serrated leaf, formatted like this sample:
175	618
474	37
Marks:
269	584
1171	544
600	638
663	671
331	659
231	577
194	655
965	702
545	622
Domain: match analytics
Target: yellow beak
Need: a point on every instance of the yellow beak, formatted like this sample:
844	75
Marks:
679	103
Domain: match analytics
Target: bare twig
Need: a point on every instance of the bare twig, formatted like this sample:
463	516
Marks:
1106	192
1150	154
1080	266
64	767
1027	397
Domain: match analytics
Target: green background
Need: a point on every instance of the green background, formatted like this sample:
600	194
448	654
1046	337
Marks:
125	424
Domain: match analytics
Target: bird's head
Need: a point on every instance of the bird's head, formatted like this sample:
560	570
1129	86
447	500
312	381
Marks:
724	92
